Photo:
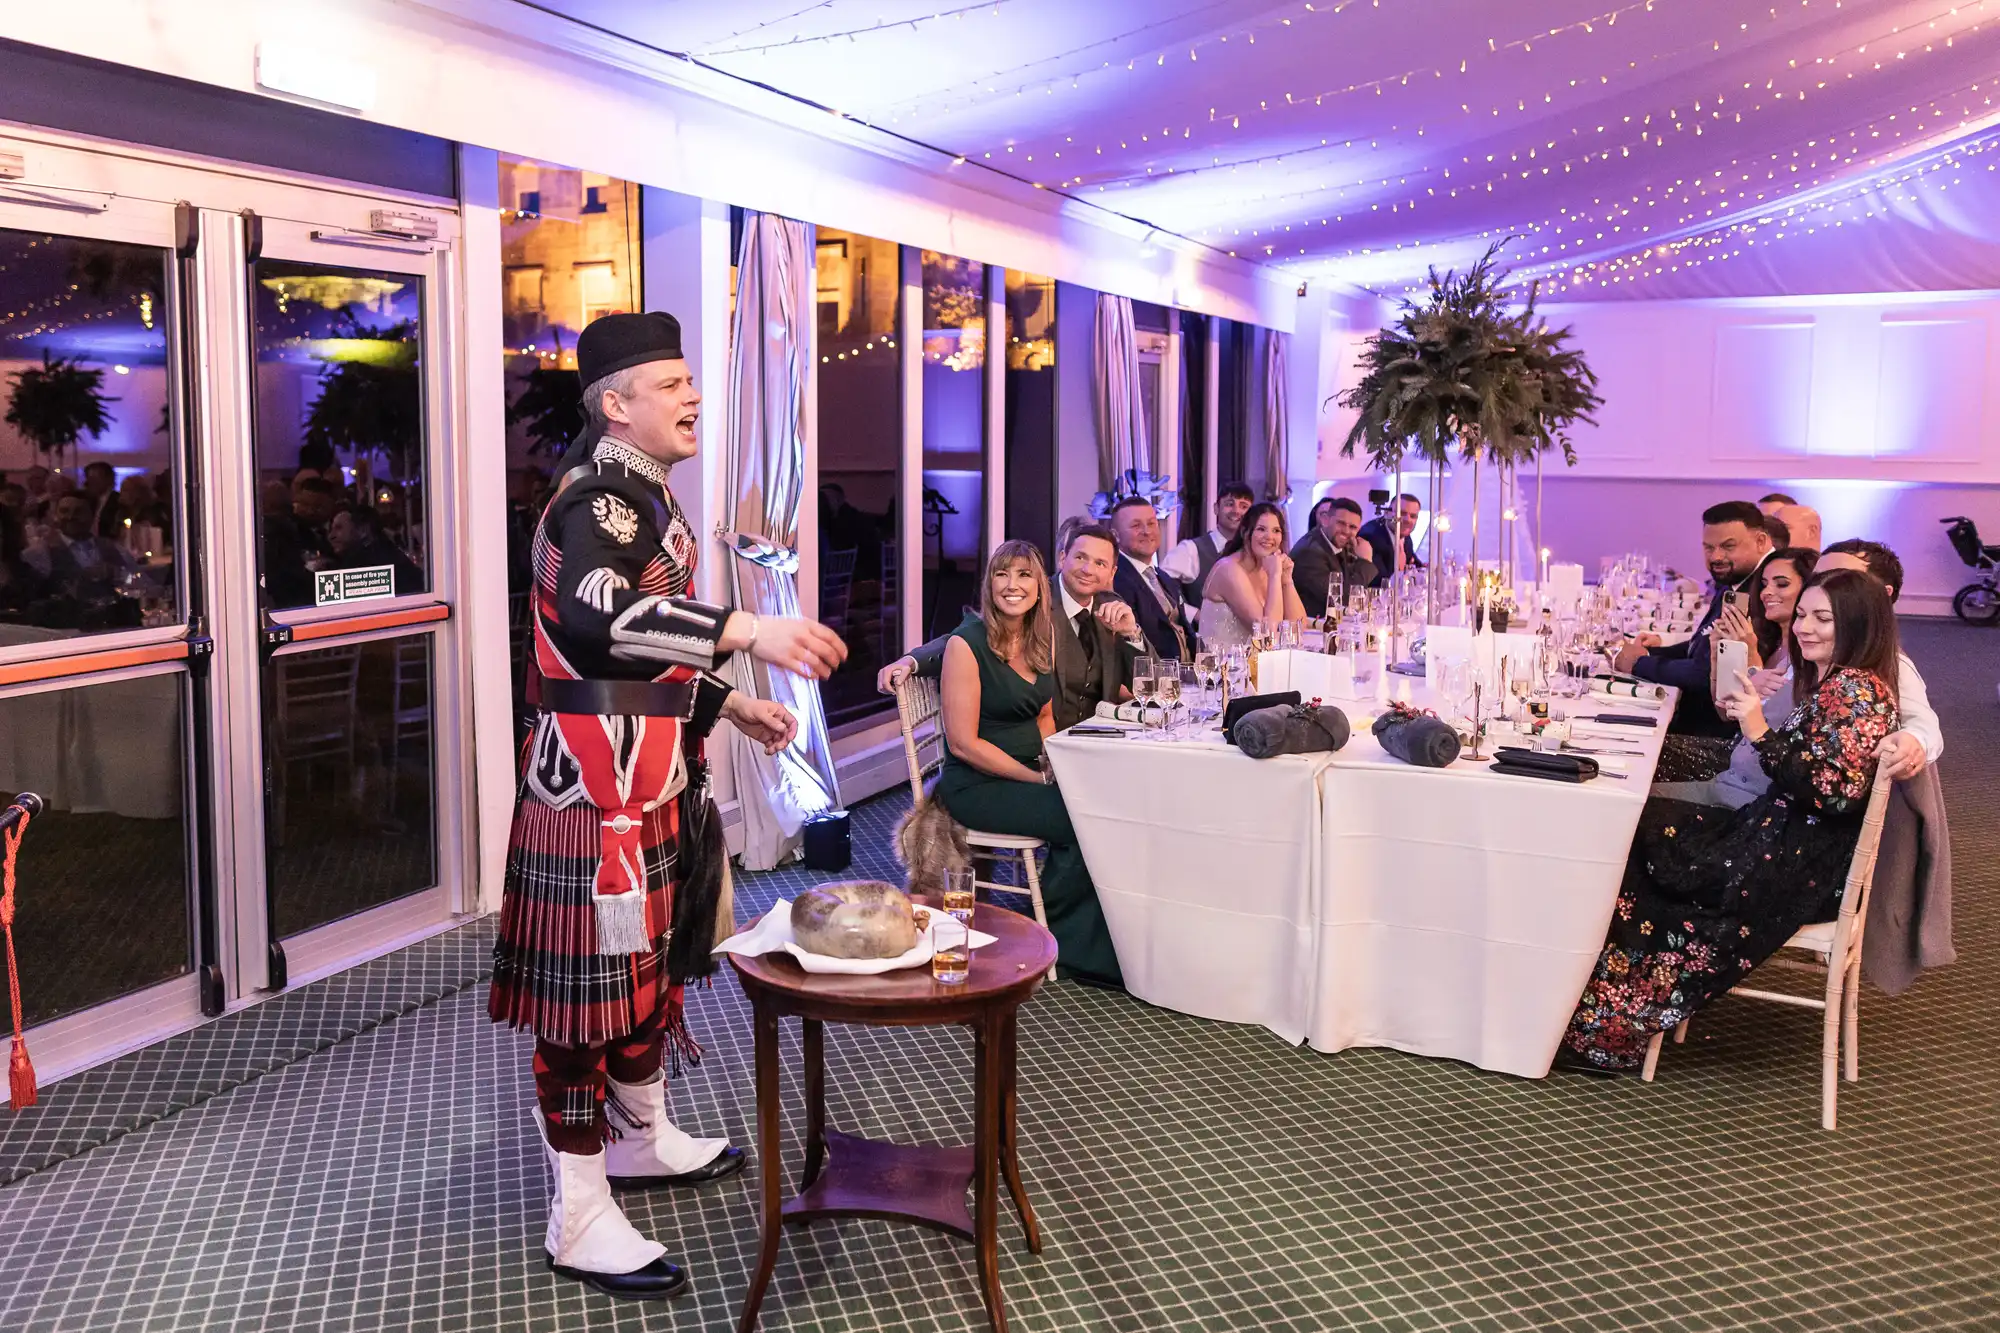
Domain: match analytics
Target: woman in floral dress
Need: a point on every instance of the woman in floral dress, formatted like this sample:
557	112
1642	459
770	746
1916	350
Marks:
1711	892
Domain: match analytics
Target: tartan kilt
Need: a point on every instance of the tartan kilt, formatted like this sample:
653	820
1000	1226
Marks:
547	974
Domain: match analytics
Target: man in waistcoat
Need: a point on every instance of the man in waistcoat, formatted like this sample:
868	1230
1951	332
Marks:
1192	557
615	867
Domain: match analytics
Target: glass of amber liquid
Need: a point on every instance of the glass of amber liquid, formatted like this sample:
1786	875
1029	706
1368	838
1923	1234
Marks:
951	949
958	893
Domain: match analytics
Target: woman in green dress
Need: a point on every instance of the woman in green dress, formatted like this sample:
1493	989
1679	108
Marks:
998	689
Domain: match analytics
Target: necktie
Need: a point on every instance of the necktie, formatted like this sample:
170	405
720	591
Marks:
1086	634
1152	574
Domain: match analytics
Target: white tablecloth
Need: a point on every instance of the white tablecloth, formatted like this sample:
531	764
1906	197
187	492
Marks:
1206	864
1352	900
1461	911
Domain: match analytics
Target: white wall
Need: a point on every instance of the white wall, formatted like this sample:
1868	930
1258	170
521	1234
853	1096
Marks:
520	80
1877	410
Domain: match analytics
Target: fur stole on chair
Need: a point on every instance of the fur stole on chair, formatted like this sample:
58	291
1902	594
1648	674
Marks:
929	842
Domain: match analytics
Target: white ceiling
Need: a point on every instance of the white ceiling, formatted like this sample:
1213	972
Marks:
1641	142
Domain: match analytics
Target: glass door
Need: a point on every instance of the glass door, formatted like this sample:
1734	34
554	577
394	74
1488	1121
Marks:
227	541
348	414
100	614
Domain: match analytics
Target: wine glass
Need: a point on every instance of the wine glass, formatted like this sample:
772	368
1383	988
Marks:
1142	683
1208	671
1167	690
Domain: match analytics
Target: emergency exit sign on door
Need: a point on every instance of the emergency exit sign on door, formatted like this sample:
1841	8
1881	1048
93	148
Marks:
333	586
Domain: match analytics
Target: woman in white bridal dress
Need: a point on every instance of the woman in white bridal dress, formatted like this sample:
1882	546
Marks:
1251	581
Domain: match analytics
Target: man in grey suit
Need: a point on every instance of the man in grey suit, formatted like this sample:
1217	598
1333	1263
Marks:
1097	636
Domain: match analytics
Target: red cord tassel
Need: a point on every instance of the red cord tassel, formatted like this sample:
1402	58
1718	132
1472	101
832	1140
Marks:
20	1078
20	1072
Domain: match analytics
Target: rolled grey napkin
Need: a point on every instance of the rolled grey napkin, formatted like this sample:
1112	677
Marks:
1426	742
1290	729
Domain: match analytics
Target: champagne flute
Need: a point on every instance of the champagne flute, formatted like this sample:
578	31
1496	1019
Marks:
1142	683
1167	689
1208	672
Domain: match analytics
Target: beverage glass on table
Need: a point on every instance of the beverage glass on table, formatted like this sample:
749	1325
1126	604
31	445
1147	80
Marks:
951	949
1167	689
1208	671
1142	683
958	889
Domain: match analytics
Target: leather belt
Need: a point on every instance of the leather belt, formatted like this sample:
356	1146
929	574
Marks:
618	698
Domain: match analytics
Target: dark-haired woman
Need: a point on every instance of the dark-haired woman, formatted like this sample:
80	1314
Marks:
1711	892
1251	581
998	693
1710	770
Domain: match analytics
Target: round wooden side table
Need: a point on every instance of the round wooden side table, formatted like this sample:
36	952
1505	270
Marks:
847	1176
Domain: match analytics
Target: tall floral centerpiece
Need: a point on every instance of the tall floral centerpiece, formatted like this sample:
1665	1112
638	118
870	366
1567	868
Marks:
1469	371
54	405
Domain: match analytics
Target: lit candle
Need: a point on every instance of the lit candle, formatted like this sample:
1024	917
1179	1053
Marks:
1545	568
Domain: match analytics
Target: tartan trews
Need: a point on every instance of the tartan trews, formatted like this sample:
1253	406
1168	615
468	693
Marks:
547	974
570	1082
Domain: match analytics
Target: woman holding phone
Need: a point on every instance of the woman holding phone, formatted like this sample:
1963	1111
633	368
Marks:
1711	892
1689	763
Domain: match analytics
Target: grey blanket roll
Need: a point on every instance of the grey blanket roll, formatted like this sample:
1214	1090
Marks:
1291	729
1426	742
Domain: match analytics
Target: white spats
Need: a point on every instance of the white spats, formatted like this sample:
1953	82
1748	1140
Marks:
587	1231
653	1146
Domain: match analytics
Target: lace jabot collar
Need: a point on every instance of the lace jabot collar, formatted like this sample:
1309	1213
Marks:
613	450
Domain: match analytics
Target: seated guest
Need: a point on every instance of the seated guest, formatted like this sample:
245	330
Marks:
314	501
1921	740
1802	521
1393	555
1771	503
1193	557
1331	559
356	539
17	584
998	692
1154	595
1780	532
100	487
1252	582
72	561
1096	636
1709	893
1735	545
1710	770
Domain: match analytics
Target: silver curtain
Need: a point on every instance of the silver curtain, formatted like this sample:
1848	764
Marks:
1122	445
1277	470
769	374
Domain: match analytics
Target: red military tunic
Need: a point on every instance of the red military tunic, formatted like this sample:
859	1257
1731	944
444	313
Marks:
600	807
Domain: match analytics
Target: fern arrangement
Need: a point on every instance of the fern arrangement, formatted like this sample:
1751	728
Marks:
1464	371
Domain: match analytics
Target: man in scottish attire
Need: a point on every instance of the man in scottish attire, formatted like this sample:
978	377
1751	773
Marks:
616	867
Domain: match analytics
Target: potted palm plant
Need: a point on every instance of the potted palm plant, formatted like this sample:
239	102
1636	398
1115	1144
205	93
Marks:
56	404
1468	373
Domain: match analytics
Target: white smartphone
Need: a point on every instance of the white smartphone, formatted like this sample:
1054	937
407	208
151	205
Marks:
1732	659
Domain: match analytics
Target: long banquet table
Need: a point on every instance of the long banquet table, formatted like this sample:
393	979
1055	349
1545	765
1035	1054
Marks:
1350	899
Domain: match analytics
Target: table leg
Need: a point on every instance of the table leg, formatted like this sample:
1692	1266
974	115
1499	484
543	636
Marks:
815	1061
1009	1160
769	1163
987	1063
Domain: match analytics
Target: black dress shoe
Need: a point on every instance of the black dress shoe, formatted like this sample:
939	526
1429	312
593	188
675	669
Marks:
726	1163
655	1282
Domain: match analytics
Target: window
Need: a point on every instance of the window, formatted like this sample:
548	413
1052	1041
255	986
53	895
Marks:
88	460
954	348
569	250
857	283
1031	409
